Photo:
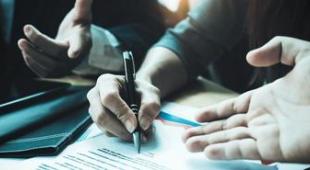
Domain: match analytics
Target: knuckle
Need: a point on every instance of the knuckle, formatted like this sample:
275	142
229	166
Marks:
154	105
105	77
109	96
90	94
150	108
234	106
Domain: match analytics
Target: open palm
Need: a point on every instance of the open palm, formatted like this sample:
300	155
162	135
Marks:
55	57
275	125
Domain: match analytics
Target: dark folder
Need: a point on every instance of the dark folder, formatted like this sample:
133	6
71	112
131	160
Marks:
44	127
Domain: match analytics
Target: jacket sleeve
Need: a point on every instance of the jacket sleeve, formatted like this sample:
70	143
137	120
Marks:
141	26
121	25
210	30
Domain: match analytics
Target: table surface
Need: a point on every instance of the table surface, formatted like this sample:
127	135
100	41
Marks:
198	94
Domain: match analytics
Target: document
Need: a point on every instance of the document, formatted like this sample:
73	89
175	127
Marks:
164	151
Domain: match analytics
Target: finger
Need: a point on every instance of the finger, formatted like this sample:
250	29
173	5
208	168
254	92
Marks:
283	50
33	64
237	149
78	44
45	43
107	133
225	108
147	134
232	122
82	10
149	108
104	119
43	60
198	143
109	89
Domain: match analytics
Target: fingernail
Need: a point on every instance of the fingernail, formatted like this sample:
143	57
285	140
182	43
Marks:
145	123
28	30
21	44
130	126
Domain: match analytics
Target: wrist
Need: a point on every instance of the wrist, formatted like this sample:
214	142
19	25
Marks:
144	77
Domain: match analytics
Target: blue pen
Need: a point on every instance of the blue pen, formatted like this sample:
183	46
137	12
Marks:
176	119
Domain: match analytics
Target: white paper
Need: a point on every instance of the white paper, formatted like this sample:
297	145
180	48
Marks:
164	151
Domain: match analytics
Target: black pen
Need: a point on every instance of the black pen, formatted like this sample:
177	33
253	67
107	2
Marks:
131	94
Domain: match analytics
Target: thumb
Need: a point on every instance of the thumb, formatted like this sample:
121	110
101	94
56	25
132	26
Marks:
82	10
79	45
285	50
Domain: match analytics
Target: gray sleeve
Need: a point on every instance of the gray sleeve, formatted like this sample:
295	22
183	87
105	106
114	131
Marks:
210	30
103	56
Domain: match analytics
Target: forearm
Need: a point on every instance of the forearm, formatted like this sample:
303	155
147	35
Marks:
163	69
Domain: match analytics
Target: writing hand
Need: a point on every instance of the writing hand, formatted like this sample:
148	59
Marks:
110	112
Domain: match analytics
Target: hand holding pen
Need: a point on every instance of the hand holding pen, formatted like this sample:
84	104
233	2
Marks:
112	113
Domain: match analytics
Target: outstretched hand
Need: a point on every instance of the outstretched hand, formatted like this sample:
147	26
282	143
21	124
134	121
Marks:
268	123
54	57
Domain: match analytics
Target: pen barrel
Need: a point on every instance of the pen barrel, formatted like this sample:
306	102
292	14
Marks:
131	92
134	108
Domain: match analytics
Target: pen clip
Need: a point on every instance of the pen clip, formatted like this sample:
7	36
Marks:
129	66
133	65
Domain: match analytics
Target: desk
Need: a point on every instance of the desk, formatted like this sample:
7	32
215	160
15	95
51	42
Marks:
199	94
202	93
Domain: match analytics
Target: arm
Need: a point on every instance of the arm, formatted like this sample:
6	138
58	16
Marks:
135	25
158	68
178	58
139	25
183	53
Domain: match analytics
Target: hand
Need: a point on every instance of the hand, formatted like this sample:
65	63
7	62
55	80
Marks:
49	57
111	113
275	125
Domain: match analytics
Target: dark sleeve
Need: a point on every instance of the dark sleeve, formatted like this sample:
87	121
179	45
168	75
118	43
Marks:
210	30
137	24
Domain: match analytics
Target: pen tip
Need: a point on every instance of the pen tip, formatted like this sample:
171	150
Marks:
137	140
139	150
